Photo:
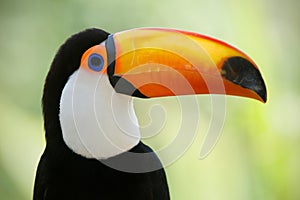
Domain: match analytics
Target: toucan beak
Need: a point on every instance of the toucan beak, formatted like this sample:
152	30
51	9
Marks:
155	62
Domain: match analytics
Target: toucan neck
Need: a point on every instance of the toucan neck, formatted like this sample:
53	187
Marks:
96	121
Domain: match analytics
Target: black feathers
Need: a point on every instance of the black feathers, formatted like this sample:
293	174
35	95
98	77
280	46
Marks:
66	61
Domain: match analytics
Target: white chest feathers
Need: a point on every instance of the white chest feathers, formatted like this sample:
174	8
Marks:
96	121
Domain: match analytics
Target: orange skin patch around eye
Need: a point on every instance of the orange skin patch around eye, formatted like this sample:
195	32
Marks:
98	49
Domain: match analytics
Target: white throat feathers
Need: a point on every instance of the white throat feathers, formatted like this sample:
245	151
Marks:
96	121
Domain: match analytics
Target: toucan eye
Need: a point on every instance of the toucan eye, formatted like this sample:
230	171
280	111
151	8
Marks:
96	62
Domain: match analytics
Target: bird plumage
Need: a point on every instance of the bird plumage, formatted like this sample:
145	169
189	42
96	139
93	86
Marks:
63	174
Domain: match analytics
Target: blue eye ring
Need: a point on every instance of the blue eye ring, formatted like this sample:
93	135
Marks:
95	62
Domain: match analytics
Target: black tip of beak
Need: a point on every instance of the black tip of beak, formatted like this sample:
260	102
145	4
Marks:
240	71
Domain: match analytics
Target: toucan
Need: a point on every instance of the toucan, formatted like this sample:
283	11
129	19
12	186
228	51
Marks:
93	141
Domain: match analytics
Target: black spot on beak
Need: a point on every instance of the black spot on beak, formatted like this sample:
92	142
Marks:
240	71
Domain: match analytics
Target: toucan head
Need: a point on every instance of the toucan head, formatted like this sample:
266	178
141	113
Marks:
107	70
155	62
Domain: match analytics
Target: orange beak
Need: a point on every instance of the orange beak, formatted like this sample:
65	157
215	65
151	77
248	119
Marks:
155	62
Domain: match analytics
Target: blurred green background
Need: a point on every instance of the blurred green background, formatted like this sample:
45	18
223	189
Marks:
257	156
